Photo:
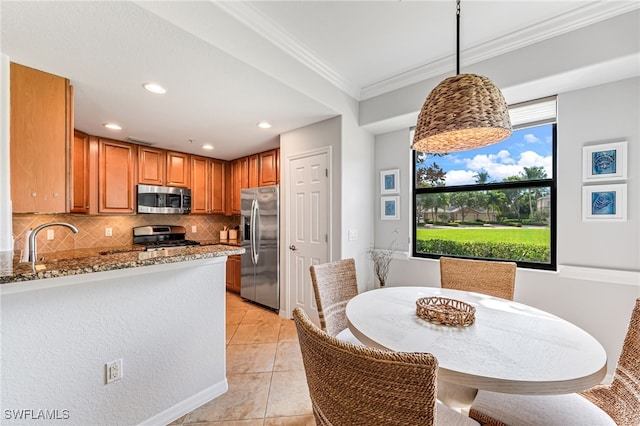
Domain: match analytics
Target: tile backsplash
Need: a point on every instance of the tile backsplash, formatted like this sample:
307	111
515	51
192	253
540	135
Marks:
91	229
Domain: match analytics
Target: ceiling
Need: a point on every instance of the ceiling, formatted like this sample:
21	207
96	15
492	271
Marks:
229	65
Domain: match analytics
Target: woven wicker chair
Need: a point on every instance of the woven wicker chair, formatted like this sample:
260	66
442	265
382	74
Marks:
617	403
481	276
353	385
334	284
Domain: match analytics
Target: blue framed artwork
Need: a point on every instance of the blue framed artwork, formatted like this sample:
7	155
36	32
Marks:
604	162
604	203
390	181
390	208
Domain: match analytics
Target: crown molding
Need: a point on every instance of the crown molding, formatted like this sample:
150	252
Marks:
570	21
252	18
581	17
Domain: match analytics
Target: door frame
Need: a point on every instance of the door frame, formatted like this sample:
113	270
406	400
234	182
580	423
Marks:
285	221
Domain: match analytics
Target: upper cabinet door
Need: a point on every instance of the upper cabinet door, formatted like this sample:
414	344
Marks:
81	189
268	167
218	205
41	131
117	167
200	185
151	165
254	171
178	173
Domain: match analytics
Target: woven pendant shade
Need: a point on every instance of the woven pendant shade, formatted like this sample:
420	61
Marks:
462	113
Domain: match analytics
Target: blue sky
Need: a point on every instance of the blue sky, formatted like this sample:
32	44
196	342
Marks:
525	148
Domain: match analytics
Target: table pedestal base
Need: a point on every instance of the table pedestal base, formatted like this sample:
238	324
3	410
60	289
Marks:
455	396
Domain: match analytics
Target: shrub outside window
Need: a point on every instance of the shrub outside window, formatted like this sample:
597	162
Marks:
492	203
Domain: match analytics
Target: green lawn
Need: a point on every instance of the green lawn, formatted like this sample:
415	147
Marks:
536	236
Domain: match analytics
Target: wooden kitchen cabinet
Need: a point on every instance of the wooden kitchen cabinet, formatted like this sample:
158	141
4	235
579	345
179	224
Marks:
268	169
117	171
254	171
200	185
178	169
233	273
239	180
207	185
160	167
41	132
81	189
151	165
218	186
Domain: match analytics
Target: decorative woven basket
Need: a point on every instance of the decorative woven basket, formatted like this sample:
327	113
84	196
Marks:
445	311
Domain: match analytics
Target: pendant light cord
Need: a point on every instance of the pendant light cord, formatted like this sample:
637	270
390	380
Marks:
458	38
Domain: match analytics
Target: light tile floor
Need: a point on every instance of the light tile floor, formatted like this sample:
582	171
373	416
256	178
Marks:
267	384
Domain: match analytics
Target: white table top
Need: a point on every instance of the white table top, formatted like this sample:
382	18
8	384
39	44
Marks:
511	347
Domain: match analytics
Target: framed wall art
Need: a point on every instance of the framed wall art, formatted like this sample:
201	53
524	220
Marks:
390	208
603	203
604	162
390	181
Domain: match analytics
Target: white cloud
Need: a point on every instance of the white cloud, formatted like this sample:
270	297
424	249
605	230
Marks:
531	138
499	166
460	177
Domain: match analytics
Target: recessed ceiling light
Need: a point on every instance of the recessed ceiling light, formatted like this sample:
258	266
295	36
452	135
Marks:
154	88
207	146
112	126
264	124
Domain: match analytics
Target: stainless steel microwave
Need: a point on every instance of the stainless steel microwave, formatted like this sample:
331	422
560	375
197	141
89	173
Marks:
163	199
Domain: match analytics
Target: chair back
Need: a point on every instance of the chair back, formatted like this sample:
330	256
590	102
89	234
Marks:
481	276
334	284
355	385
621	399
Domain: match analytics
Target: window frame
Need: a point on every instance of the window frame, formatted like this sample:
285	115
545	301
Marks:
551	183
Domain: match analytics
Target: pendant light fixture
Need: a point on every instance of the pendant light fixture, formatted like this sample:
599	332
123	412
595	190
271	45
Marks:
462	113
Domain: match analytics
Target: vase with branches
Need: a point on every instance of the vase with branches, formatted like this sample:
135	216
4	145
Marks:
382	259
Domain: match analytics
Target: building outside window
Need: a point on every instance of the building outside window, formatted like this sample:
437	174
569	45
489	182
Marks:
492	203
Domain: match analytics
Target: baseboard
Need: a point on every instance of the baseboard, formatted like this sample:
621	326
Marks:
180	409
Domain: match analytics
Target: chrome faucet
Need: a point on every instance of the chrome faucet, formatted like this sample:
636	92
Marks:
33	252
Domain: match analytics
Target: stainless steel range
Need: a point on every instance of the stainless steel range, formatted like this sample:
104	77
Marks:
159	237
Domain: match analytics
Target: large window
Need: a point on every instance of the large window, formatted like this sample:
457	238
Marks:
493	203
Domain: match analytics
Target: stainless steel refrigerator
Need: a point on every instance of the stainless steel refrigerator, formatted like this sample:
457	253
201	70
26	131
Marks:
260	267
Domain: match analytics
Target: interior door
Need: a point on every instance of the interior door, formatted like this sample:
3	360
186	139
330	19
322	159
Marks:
309	221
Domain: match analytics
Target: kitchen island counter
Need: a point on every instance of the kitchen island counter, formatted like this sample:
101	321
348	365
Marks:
86	261
160	313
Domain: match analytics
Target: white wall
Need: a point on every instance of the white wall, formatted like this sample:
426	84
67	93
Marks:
358	196
166	322
351	187
598	278
605	113
6	240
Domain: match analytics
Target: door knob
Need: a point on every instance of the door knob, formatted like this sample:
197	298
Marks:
292	247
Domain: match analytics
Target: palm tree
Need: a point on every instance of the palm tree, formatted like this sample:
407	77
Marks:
532	173
482	177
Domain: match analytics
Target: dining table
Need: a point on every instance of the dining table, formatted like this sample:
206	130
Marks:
510	347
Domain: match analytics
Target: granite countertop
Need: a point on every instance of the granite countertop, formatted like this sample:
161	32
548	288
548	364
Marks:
85	261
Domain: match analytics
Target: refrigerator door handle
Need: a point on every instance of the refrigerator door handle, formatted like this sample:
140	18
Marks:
256	230
254	247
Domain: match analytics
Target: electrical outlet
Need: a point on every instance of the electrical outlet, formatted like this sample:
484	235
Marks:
114	370
50	234
194	229
108	232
